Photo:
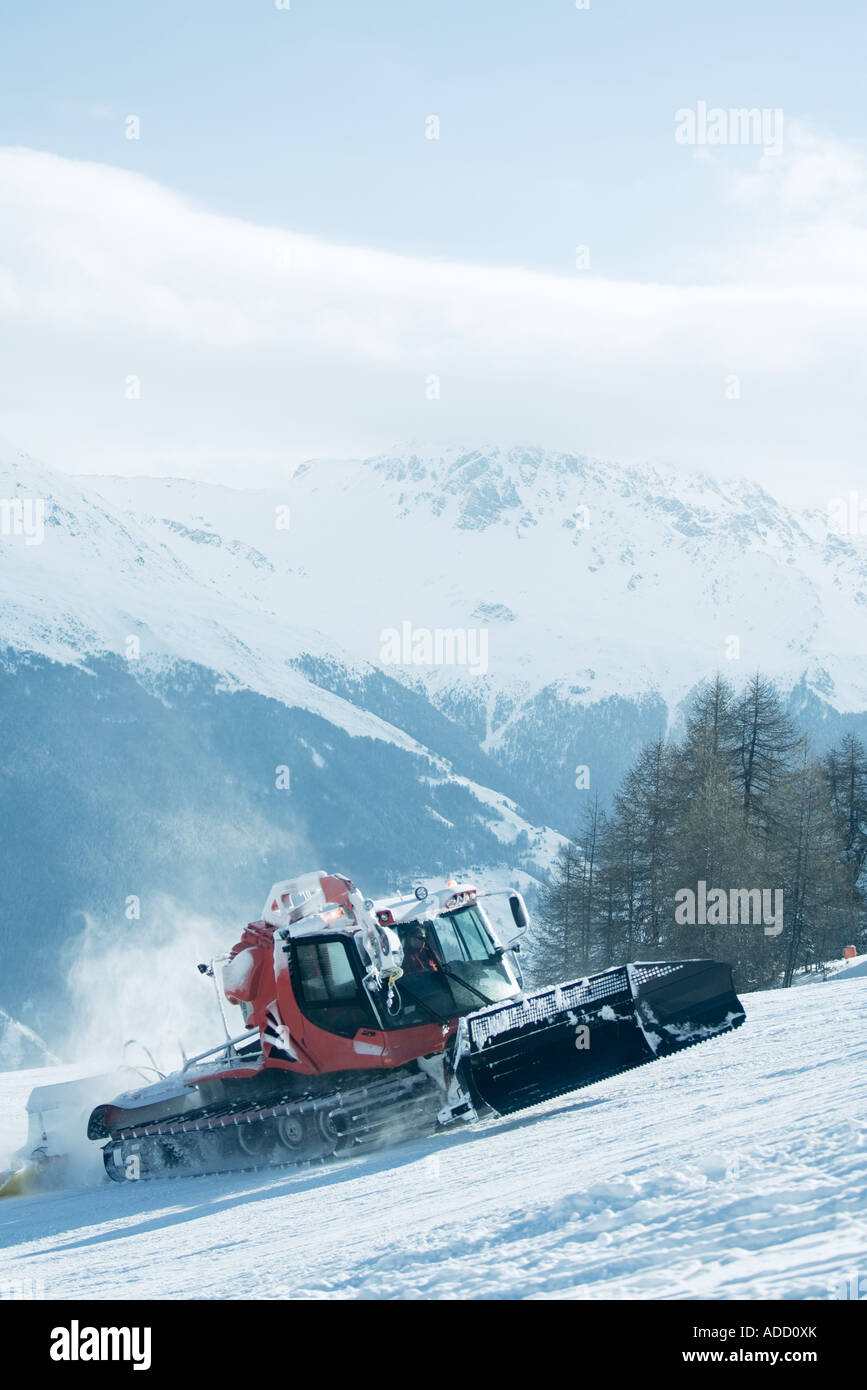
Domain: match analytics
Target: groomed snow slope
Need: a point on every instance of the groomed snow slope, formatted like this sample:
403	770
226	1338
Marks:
735	1170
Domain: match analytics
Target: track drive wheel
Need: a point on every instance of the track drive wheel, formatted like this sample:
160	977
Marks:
256	1140
306	1136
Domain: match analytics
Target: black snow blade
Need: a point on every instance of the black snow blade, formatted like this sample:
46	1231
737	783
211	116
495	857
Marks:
571	1035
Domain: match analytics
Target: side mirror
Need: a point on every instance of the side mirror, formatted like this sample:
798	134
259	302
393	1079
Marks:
518	909
520	915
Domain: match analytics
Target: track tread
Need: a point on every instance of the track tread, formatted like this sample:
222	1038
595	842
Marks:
362	1103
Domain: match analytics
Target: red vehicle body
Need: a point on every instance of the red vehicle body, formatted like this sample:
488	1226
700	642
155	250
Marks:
327	1037
327	1007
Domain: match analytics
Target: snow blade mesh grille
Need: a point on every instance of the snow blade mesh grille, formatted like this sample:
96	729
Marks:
548	1004
643	973
569	1036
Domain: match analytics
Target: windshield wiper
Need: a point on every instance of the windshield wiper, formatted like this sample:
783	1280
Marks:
439	1017
477	992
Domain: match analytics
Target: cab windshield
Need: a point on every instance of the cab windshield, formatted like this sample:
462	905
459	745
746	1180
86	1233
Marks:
469	956
451	967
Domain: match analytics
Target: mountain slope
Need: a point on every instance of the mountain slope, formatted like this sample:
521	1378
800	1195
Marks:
604	594
614	581
601	580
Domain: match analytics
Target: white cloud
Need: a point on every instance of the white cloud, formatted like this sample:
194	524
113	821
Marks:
256	346
812	174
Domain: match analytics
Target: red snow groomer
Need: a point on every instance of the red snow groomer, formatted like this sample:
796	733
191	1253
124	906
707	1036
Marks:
367	1022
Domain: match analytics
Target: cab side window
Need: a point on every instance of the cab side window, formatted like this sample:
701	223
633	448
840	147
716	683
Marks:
330	995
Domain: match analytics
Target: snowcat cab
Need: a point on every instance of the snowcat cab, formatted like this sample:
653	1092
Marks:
322	974
469	966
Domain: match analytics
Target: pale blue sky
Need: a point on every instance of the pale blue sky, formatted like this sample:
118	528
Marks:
556	123
293	134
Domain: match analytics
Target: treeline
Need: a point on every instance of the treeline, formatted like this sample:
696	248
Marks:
739	803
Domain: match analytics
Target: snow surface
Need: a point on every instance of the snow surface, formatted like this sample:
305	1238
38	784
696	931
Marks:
844	969
735	1170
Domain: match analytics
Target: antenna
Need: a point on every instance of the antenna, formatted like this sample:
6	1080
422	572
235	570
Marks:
217	976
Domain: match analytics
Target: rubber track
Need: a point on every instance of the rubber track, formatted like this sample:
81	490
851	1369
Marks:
384	1101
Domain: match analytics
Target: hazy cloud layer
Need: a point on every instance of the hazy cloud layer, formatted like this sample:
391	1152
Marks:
251	347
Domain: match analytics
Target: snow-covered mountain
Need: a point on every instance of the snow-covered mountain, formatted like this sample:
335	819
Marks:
596	580
171	645
597	595
616	580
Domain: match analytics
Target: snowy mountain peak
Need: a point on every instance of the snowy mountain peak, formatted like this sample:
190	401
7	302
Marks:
572	565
